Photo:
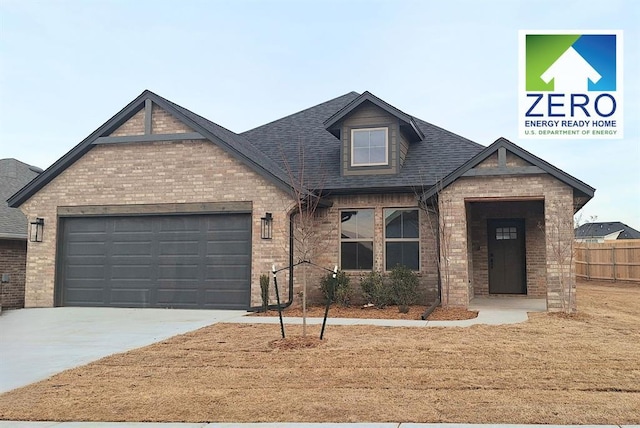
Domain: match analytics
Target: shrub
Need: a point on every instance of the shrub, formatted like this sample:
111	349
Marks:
343	291
375	291
264	291
404	287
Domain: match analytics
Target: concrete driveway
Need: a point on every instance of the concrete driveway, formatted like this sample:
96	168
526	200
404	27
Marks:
37	343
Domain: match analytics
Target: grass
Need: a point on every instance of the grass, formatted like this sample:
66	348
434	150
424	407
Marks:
553	369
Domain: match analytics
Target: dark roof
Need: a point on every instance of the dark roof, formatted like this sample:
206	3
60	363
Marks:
586	190
311	150
14	175
300	146
600	229
407	123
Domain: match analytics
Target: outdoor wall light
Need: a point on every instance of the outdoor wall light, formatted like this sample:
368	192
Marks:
37	230
266	226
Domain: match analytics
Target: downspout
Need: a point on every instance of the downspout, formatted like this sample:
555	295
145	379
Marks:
435	304
290	301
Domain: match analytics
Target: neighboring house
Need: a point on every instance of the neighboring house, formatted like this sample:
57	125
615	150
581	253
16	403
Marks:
14	175
160	207
605	231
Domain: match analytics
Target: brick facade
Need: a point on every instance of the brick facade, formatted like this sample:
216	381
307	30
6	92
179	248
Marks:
547	206
188	171
328	253
13	260
154	173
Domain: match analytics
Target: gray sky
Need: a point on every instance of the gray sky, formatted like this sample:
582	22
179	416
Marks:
68	66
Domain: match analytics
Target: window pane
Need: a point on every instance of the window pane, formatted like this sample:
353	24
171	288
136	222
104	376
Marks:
378	138
393	223
357	224
356	255
361	156
361	139
401	223
403	253
378	155
410	224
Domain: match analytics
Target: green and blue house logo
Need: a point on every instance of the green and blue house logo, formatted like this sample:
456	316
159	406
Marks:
570	84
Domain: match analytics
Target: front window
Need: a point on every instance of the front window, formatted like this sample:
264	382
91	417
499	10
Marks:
402	238
369	147
356	239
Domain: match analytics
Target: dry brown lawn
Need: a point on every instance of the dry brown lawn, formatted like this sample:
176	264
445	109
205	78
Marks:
551	369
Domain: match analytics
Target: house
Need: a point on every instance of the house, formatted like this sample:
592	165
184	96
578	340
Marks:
160	207
13	233
605	231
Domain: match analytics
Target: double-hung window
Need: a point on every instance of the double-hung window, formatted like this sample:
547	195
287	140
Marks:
356	239
369	147
402	238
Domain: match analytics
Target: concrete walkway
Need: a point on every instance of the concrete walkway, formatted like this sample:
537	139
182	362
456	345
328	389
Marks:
38	343
11	424
491	311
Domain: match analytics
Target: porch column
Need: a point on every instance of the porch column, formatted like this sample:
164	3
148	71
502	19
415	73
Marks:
561	285
454	272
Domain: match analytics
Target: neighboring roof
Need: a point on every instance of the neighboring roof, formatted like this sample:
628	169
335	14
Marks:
234	144
314	152
407	123
578	185
14	175
601	229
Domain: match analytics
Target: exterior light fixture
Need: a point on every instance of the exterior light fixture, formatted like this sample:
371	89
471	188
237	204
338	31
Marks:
266	226
37	230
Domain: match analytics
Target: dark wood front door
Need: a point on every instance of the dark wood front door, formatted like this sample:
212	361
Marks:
507	265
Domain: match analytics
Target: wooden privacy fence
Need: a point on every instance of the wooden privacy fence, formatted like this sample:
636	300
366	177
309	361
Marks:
615	260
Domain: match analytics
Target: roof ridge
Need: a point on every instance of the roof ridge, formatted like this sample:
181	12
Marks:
439	128
301	111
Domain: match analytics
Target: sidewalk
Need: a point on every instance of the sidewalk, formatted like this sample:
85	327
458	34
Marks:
485	316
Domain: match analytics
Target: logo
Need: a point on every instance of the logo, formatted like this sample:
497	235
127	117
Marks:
570	84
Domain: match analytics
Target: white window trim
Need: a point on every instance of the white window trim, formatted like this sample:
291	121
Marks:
372	240
385	239
386	147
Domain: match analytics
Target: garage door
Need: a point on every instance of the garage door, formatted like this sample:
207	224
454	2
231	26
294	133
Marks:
180	261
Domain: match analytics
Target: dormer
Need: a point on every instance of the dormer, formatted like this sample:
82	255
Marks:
375	136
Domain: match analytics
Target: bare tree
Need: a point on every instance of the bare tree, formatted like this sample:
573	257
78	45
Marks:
438	210
561	251
309	237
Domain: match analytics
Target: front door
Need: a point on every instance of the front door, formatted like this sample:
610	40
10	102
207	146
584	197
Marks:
507	274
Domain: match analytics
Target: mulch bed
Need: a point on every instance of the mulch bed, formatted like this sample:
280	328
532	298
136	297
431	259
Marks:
390	312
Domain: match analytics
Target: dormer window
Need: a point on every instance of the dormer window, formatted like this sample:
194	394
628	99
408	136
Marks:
369	147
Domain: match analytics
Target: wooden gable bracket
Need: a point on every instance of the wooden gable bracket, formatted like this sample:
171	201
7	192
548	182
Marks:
148	136
502	168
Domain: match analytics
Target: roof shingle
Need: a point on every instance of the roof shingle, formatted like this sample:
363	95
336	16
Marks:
14	175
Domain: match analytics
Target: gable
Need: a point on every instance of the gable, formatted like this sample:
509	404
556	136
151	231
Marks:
151	118
161	122
369	116
511	163
495	161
